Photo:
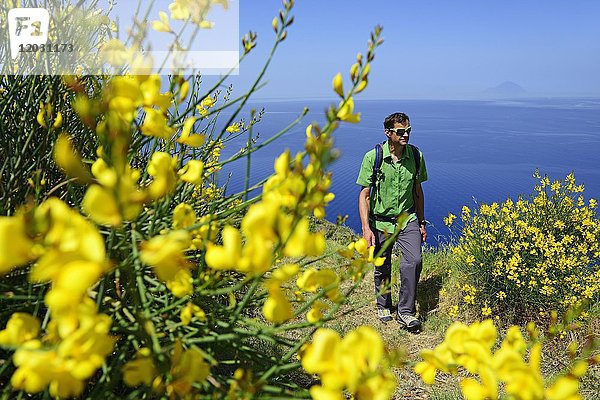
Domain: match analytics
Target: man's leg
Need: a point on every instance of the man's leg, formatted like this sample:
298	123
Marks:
409	242
383	273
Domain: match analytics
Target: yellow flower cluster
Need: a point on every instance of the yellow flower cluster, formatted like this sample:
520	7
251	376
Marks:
449	220
212	162
539	251
278	221
195	10
303	188
346	111
165	253
188	367
191	312
265	227
115	197
355	363
470	347
67	250
205	105
63	359
46	114
486	311
360	79
278	226
187	138
313	280
235	127
453	311
116	194
205	228
470	291
361	257
209	193
277	308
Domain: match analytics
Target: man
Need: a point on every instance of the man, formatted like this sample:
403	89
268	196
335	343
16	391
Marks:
395	190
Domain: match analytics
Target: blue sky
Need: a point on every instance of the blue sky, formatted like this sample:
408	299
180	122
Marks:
433	49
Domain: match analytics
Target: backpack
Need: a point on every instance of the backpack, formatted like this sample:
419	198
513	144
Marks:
377	167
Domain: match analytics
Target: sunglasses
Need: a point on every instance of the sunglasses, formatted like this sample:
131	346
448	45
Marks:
401	131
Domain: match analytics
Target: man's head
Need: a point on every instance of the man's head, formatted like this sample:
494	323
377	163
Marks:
391	120
397	128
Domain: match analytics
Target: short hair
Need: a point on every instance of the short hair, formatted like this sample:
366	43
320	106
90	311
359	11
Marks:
394	118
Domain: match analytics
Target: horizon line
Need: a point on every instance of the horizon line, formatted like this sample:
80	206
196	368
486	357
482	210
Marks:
514	98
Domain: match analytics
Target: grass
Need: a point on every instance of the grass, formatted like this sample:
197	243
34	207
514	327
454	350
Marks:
451	393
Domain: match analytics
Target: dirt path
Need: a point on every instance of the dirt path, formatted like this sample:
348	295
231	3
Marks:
410	385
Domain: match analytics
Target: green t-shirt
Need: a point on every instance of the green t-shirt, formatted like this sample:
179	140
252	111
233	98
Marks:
396	181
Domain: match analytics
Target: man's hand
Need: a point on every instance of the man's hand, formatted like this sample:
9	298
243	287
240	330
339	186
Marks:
369	236
423	233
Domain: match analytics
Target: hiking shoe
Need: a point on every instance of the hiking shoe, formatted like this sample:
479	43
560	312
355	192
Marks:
409	322
384	315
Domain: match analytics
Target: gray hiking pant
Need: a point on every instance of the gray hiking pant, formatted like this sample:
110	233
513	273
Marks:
409	241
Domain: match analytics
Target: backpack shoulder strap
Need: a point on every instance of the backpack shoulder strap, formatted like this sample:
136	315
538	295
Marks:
417	157
376	167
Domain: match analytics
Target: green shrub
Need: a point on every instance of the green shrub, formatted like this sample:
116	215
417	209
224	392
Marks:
519	259
130	275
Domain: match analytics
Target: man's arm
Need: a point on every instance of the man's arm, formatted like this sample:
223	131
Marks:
363	211
419	200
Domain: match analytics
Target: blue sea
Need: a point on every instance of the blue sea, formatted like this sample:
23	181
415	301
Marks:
475	151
